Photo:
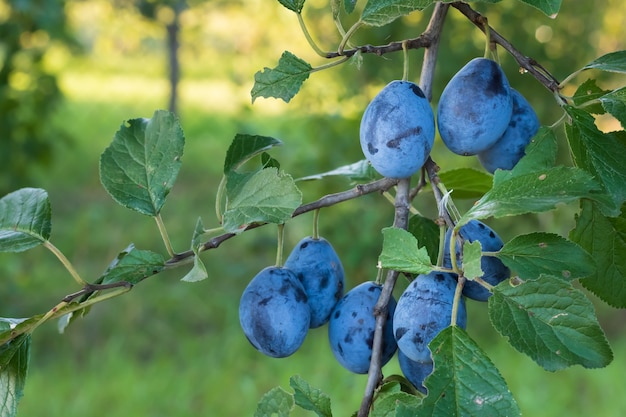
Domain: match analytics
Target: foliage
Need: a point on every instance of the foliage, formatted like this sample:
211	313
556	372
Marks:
539	311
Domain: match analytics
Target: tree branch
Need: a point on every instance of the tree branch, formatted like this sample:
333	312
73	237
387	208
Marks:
422	41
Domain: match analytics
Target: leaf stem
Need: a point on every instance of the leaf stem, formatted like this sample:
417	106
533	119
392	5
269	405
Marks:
348	35
457	299
219	196
308	37
164	235
330	64
66	263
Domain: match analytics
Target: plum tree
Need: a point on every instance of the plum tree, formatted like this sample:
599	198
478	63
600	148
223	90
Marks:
509	149
475	107
317	266
274	313
424	309
351	328
398	130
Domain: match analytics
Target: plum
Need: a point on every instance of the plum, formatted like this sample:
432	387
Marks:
509	149
494	270
398	130
423	310
274	312
351	328
319	269
416	372
475	107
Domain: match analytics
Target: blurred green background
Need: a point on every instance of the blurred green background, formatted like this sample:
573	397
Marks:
175	349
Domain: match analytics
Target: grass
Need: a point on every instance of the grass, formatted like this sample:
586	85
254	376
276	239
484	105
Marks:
175	349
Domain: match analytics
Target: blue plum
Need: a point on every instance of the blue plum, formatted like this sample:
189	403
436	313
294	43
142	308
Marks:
494	270
398	130
416	372
423	310
510	148
274	313
319	269
475	107
351	328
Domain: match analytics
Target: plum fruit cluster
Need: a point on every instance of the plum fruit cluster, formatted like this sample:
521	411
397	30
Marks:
478	114
281	304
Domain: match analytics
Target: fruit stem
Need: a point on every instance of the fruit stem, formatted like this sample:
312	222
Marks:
308	37
487	30
66	262
279	249
405	55
316	217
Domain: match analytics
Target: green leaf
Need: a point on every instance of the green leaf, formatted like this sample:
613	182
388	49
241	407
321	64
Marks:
549	7
275	403
381	12
24	219
349	5
533	192
198	271
401	253
540	154
293	5
266	196
387	405
550	321
589	92
359	171
601	154
310	398
244	147
615	103
268	162
545	253
466	182
14	359
133	266
282	82
471	260
611	62
464	382
605	239
427	231
140	166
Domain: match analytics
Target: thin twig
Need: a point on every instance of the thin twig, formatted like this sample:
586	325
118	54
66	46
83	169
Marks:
422	41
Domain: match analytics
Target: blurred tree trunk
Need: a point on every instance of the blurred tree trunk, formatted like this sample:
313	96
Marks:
173	45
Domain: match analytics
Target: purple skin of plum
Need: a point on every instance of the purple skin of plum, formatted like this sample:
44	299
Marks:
423	310
351	328
398	130
317	266
416	372
474	108
510	148
494	270
274	313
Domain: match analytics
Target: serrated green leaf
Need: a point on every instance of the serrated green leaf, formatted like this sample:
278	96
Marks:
427	234
244	147
24	219
549	7
464	382
381	12
601	154
551	322
359	171
466	182
140	166
266	196
198	271
545	253
275	403
615	103
133	266
268	162
310	398
589	92
533	193
282	82
605	239
472	254
611	62
540	154
401	253
14	360
293	5
387	405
